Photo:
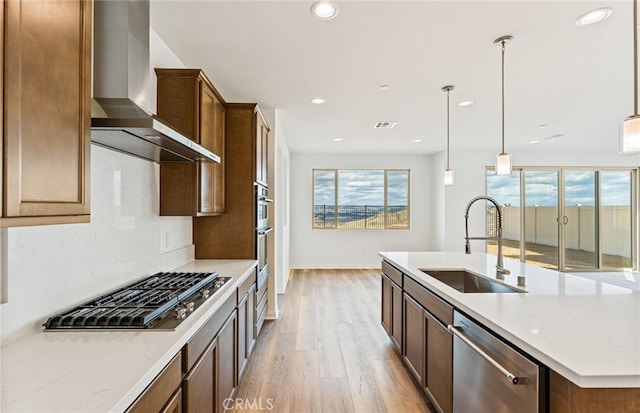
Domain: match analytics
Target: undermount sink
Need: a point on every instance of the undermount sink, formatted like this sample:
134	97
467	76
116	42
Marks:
467	282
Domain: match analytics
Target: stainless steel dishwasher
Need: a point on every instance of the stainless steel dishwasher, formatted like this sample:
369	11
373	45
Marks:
489	376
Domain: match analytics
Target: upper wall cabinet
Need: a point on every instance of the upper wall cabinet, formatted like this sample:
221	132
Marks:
46	92
262	150
188	101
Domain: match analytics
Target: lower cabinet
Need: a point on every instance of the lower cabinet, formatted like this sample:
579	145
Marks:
414	338
162	393
246	326
439	369
226	382
199	383
416	321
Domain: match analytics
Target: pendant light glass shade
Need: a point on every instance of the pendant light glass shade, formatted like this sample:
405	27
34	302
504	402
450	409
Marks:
503	164
631	134
447	177
631	126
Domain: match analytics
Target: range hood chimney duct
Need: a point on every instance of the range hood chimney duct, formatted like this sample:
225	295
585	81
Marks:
122	80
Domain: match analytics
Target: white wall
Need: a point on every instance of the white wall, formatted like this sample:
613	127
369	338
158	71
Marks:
356	248
469	167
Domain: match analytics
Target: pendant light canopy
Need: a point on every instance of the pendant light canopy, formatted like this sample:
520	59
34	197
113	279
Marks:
631	125
448	173
503	160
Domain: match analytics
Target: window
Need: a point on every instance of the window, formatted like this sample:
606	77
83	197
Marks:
361	198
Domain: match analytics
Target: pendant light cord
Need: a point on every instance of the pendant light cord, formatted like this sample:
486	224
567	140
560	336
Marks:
503	47
448	93
635	57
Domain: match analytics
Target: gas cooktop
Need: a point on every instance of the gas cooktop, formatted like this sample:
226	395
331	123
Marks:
161	301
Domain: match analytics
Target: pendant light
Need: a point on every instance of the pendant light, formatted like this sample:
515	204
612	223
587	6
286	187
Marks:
448	173
503	160
631	125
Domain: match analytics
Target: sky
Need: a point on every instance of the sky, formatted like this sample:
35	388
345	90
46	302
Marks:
541	188
360	187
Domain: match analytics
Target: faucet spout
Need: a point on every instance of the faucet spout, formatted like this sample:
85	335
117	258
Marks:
500	270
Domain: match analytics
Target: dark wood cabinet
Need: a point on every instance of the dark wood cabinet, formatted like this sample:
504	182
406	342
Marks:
414	337
392	310
226	362
232	235
262	150
439	373
199	384
175	403
246	326
45	111
160	394
188	102
419	325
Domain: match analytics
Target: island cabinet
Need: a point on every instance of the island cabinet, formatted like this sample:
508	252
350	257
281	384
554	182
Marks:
187	101
45	111
427	344
392	303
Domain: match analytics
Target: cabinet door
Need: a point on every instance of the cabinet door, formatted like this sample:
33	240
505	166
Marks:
219	114
175	404
262	150
251	305
386	304
200	382
241	350
414	337
439	377
47	107
207	136
226	362
396	315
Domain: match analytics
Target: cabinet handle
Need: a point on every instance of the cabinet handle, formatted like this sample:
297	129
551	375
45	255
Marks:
512	377
265	199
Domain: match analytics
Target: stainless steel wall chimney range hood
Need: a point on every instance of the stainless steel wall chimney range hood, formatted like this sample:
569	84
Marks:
122	77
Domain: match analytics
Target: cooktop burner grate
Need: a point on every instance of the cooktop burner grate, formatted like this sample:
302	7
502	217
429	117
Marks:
159	301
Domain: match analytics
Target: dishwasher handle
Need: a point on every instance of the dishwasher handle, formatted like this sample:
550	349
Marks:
512	377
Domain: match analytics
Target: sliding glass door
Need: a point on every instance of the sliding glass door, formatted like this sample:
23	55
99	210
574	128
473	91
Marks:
569	219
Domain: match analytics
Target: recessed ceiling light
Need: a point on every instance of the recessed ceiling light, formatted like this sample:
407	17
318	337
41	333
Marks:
324	10
534	142
594	16
417	140
542	126
338	139
557	135
318	101
466	103
384	87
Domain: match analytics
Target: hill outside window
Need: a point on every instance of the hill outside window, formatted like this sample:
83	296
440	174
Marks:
361	199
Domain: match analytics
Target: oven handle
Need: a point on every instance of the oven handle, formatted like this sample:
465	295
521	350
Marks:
264	231
512	377
265	199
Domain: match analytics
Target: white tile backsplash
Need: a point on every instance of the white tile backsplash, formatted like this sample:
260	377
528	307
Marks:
49	268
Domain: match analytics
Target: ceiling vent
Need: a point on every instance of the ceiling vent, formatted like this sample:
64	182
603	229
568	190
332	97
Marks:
384	125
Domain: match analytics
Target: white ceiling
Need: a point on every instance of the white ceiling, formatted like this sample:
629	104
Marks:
576	80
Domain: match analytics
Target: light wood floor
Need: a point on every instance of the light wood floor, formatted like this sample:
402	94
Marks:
327	352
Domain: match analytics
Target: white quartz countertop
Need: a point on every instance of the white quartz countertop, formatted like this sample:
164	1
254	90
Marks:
101	371
585	330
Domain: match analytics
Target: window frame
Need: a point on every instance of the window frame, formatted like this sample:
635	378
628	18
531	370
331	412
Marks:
336	172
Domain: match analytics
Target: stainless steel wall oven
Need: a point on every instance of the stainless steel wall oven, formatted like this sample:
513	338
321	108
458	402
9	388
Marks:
262	230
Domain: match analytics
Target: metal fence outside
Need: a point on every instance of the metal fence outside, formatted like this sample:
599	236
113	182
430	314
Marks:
360	217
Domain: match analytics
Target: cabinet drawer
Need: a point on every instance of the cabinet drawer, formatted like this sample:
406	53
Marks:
194	348
160	390
392	273
245	287
262	304
261	292
436	306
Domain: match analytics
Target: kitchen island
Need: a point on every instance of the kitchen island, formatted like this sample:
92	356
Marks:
586	332
103	371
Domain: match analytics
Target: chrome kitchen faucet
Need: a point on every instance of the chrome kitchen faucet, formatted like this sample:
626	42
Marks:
500	270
